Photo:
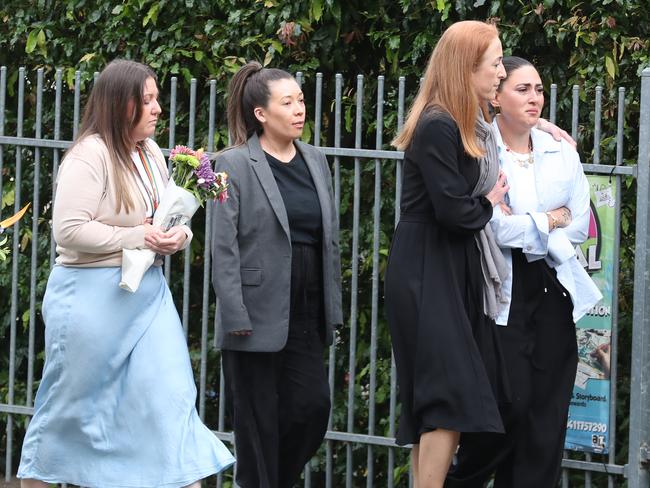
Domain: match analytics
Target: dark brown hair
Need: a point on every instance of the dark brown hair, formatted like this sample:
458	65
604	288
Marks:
118	89
513	63
248	89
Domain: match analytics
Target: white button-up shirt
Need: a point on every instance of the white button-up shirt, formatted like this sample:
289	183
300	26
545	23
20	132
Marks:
554	180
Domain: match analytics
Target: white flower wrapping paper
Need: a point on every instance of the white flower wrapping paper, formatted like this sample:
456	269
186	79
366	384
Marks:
176	207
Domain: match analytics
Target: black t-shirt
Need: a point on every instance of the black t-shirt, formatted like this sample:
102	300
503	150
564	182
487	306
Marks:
300	198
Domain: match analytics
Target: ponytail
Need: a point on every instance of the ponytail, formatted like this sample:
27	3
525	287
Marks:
248	89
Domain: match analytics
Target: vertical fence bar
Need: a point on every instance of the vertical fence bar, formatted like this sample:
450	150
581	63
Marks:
307	475
221	423
552	115
598	111
553	118
77	104
613	369
374	309
3	97
172	141
58	81
337	140
329	462
595	160
13	315
318	111
205	297
36	204
299	79
639	451
574	133
355	281
187	251
393	371
317	124
575	112
172	113
3	93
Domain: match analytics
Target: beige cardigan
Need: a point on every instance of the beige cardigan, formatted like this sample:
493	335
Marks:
87	231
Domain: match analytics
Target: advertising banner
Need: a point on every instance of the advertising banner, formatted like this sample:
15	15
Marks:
588	423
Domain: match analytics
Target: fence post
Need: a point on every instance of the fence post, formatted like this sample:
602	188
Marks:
638	474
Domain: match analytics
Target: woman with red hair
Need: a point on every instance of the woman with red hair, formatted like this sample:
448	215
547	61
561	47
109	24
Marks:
442	287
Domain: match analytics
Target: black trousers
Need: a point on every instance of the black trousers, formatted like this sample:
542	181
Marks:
280	400
539	345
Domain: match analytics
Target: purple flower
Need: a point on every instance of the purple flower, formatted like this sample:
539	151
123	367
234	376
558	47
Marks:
204	172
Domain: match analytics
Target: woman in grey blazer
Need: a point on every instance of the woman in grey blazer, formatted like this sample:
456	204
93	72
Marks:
276	274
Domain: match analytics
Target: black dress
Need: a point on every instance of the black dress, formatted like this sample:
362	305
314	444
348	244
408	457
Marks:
449	366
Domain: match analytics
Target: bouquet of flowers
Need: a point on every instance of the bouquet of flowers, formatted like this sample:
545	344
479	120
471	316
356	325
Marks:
191	184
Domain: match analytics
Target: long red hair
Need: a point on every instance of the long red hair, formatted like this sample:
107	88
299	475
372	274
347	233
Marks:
447	83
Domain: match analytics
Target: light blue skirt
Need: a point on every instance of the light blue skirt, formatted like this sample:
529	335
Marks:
116	405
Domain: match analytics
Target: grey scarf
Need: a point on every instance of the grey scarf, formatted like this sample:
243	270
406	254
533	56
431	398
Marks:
493	264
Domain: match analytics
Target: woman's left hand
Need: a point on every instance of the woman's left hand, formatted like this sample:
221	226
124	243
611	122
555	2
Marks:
165	242
557	133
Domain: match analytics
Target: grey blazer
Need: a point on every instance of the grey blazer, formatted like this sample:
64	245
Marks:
251	250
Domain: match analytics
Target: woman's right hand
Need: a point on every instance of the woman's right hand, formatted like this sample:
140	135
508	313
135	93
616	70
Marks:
163	242
499	190
559	218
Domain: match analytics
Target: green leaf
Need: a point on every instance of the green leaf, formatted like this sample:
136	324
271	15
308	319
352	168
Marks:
8	198
440	5
25	319
268	57
316	11
306	133
277	45
186	74
610	66
69	77
32	40
87	57
152	15
94	16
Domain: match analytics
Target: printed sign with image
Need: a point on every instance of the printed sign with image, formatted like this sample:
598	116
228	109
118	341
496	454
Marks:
588	423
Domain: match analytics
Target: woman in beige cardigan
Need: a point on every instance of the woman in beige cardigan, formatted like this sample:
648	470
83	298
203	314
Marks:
116	405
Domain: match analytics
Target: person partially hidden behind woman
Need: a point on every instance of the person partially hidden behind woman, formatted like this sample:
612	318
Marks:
116	404
545	216
276	274
445	269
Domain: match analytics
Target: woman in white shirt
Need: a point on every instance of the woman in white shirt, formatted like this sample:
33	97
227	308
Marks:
544	216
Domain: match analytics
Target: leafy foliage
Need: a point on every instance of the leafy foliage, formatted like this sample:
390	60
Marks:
602	42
